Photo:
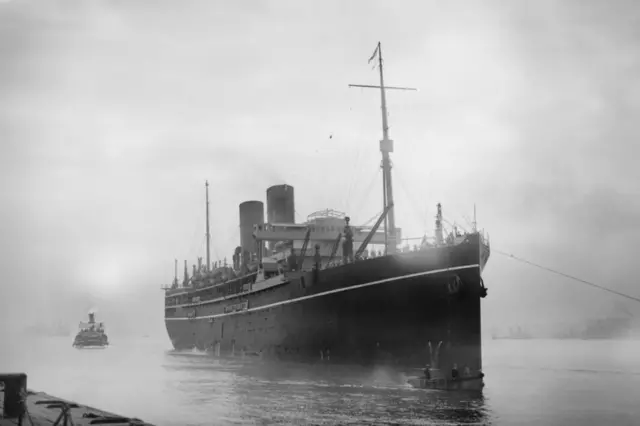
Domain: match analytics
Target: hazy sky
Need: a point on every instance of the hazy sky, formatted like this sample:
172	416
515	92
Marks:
112	115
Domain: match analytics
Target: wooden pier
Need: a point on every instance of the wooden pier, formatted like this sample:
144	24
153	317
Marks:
19	406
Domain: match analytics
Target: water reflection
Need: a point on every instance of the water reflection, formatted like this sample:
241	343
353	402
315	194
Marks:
254	391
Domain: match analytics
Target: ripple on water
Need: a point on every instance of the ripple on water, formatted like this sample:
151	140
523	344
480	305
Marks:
528	383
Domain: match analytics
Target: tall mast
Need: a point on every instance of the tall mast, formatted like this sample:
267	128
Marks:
206	184
386	147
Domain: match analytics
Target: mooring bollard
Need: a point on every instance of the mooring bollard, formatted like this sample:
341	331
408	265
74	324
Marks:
15	389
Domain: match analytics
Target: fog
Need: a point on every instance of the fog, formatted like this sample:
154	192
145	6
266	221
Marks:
112	116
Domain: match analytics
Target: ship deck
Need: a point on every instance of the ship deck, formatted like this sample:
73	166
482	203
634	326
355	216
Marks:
42	410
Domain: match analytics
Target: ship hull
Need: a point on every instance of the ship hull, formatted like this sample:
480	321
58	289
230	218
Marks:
378	311
91	341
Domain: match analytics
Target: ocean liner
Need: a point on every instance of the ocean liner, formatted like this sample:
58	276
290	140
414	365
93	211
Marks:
314	292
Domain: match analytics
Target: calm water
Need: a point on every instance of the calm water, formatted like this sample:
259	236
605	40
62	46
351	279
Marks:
527	383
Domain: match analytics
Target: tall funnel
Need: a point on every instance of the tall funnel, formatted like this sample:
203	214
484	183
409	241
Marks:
251	213
280	204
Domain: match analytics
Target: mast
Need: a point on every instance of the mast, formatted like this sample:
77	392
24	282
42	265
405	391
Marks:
386	147
208	235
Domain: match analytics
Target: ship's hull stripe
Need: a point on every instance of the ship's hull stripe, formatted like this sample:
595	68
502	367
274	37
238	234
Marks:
326	293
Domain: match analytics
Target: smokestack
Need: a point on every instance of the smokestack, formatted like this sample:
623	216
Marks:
280	206
186	274
251	213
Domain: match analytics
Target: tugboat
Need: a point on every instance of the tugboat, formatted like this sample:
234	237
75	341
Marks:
438	380
91	334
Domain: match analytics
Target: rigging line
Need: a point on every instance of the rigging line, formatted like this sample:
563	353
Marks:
352	178
466	219
377	215
453	225
229	242
410	198
451	220
357	167
422	213
193	247
362	199
637	299
427	198
359	145
198	247
200	217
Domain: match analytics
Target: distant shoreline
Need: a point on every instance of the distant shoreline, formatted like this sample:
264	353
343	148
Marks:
622	339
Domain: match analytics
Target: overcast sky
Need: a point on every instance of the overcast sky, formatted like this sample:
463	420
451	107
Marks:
113	114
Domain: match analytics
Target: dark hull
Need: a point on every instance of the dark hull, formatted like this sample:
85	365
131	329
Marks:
368	312
90	342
